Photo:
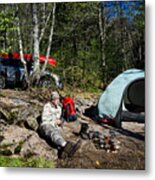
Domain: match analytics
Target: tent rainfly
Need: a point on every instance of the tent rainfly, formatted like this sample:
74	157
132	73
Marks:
111	100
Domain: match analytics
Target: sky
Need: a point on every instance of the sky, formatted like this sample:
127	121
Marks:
128	8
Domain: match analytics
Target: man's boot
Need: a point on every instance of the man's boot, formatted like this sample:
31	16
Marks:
84	131
69	150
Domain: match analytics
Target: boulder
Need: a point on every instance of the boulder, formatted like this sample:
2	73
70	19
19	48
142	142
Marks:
17	111
24	143
31	123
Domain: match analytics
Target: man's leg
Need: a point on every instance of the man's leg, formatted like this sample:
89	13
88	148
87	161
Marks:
57	137
66	149
53	134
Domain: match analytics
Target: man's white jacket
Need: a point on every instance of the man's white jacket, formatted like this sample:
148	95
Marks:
51	113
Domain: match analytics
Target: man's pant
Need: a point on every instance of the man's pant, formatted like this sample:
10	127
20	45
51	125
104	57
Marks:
53	133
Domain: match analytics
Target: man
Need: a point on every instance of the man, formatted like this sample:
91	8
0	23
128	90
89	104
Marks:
50	127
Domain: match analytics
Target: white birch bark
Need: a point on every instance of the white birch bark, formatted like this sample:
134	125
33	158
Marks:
21	49
44	23
102	29
50	38
36	69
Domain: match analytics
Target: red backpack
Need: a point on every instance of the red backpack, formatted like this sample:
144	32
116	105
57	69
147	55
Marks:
69	111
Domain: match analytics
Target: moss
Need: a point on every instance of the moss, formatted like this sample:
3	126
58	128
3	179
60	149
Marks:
14	113
18	149
24	162
5	145
6	152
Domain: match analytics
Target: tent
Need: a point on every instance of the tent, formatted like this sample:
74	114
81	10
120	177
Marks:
126	89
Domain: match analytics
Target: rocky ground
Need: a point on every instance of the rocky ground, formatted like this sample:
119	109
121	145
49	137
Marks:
19	121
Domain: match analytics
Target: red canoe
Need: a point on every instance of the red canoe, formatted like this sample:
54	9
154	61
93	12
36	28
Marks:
42	59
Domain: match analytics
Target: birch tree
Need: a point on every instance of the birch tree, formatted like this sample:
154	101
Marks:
44	22
36	69
21	47
102	29
50	38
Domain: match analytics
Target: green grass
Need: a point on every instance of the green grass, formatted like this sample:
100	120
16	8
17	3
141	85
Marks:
70	91
25	162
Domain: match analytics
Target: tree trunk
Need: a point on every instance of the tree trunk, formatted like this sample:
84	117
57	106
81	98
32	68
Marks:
122	30
44	24
21	49
50	38
102	29
123	47
36	69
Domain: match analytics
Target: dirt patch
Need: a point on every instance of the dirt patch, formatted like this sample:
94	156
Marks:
131	154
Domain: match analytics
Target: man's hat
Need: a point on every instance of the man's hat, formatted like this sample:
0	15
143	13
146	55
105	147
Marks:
55	95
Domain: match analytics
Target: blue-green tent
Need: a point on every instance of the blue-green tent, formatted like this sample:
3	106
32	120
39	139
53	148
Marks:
110	102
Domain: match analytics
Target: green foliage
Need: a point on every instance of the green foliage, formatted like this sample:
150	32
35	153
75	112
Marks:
7	28
76	40
6	161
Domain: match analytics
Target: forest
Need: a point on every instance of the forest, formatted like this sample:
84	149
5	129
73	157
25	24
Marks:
92	42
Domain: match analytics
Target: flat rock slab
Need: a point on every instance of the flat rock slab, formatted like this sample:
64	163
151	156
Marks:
25	142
